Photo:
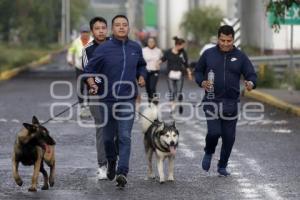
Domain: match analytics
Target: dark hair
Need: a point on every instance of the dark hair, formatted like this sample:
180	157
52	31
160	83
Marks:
97	19
226	30
119	16
152	37
178	41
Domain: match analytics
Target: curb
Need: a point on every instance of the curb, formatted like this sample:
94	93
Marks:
273	101
8	74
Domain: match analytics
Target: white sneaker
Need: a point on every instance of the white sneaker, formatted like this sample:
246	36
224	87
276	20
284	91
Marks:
102	173
85	112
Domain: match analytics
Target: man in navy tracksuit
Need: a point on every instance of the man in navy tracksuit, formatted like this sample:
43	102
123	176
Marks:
98	26
218	71
120	63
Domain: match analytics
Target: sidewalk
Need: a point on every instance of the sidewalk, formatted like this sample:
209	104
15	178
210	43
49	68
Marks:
279	98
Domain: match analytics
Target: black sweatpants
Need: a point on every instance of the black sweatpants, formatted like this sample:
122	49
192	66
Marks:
216	128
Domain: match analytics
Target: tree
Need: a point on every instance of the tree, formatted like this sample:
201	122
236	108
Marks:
278	8
34	21
202	23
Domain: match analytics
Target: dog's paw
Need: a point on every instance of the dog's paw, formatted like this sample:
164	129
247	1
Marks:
32	189
51	183
19	182
150	177
161	180
45	187
171	179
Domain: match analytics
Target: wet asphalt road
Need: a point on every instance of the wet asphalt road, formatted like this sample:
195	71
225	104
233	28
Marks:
265	161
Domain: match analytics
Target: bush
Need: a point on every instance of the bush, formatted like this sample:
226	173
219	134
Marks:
297	81
12	56
267	78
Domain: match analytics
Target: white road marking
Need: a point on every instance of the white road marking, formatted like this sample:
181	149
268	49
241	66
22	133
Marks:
247	189
254	122
281	130
272	193
242	123
15	120
186	151
3	120
280	122
254	165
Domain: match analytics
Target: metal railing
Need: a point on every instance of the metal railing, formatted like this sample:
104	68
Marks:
274	59
279	63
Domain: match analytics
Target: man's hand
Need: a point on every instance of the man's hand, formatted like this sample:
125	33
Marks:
249	85
206	85
71	63
141	81
189	73
93	89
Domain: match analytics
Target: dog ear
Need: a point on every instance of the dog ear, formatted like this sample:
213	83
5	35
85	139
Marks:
161	126
35	120
29	127
50	140
173	124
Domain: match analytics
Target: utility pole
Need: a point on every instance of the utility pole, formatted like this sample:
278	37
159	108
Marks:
131	14
65	21
68	21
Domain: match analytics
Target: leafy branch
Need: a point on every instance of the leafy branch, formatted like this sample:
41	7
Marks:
278	9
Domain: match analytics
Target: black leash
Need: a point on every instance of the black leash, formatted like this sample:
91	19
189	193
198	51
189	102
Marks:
65	110
77	102
145	117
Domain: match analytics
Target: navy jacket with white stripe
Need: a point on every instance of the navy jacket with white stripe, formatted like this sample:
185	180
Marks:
121	62
228	68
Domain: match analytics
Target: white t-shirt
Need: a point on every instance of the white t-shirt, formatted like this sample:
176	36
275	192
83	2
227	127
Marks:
152	56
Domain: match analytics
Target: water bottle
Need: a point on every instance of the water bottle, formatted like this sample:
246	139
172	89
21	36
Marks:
211	80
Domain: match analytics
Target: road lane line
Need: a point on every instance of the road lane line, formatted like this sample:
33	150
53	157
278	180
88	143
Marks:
3	120
281	130
247	189
15	120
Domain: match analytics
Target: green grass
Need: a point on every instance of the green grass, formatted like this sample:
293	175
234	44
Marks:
17	56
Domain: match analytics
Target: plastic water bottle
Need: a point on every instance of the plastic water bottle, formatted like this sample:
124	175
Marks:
211	80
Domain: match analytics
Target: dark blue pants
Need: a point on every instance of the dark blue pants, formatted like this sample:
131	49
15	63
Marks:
151	82
82	86
120	118
216	128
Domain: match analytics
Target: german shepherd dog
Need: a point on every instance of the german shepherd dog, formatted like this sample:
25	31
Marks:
162	139
34	145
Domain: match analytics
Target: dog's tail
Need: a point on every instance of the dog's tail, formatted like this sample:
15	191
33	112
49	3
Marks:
151	114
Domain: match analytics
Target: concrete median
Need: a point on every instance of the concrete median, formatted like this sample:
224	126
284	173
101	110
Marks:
273	101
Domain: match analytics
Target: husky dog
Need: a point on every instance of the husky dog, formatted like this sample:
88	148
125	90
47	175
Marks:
33	146
160	138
